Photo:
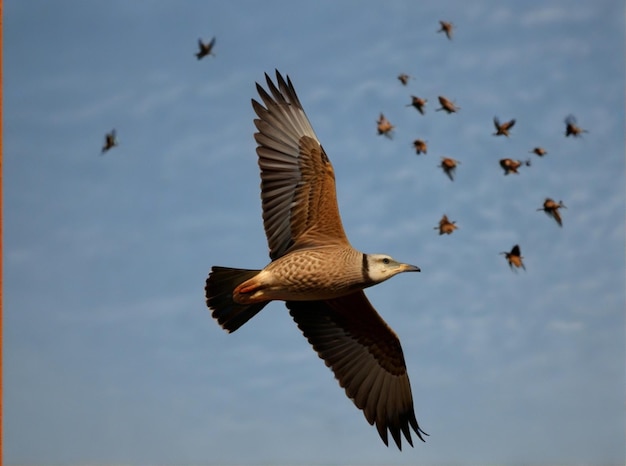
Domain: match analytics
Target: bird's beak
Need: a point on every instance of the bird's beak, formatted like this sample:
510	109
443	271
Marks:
410	268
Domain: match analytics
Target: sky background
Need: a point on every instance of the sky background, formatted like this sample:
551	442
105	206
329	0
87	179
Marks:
110	354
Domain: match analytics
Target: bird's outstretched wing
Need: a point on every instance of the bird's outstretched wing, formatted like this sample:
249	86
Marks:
297	179
366	357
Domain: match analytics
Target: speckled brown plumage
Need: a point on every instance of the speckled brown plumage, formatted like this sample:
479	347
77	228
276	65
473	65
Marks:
315	270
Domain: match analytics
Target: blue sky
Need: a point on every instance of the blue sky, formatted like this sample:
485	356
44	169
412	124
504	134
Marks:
110	355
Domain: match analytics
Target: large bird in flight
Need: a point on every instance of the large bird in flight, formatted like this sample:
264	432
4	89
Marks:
316	271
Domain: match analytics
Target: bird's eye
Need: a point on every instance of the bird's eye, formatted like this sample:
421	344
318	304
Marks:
385	261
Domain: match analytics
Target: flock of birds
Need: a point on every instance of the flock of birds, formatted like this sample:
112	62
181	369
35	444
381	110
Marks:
313	267
449	165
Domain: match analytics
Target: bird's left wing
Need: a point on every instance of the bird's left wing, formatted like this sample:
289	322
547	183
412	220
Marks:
366	357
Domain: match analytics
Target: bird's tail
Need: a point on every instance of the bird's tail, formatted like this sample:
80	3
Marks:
219	297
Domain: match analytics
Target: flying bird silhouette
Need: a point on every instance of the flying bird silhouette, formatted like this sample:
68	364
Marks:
420	146
418	103
446	28
446	227
551	209
404	78
315	269
540	151
449	166
572	128
110	141
511	166
502	129
205	49
447	105
384	126
514	258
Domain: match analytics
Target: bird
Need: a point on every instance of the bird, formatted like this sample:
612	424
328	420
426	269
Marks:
384	126
502	129
110	141
404	78
418	103
447	28
571	127
540	151
449	166
551	209
205	49
420	146
514	257
511	166
447	105
446	226
315	269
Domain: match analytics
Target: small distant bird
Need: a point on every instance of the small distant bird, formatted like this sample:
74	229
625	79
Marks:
449	166
384	126
502	129
551	209
447	105
511	166
540	151
418	103
404	78
420	146
447	28
110	141
315	270
205	49
515	258
446	227
571	128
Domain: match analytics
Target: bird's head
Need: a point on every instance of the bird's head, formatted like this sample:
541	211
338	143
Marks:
381	267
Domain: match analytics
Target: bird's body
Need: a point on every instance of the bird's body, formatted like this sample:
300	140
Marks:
447	105
110	141
540	151
447	28
315	270
418	103
514	258
511	166
502	129
384	126
448	166
446	227
205	49
572	128
421	147
404	78
551	208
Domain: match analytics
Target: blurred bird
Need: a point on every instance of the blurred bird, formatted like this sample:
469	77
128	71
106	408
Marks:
315	269
418	103
404	78
540	151
551	209
384	126
571	128
503	129
449	166
446	226
447	28
110	141
511	166
420	146
515	258
447	105
205	49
